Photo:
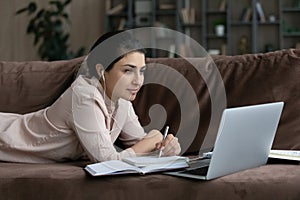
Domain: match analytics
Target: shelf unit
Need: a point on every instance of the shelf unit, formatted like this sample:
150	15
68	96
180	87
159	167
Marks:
213	14
290	31
243	33
267	34
163	13
279	30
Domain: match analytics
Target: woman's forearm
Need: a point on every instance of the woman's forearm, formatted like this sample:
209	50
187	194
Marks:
148	144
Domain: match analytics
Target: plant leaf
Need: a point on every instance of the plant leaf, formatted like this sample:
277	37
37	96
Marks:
66	16
31	27
79	52
32	7
59	6
21	10
40	13
67	2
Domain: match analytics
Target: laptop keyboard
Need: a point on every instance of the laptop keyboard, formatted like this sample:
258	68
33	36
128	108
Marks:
198	171
198	167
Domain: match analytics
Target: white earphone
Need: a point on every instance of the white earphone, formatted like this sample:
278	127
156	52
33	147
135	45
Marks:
102	74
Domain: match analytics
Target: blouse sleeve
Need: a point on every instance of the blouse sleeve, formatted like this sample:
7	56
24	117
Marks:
132	132
90	127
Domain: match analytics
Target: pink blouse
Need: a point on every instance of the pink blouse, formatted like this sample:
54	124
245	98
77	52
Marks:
82	122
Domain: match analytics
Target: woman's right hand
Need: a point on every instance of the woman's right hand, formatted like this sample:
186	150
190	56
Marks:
170	146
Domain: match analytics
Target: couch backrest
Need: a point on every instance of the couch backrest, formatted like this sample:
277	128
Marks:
29	86
269	77
248	79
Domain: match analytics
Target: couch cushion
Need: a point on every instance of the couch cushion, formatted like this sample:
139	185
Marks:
70	181
30	86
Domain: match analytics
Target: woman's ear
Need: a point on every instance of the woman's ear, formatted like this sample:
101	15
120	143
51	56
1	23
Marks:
100	70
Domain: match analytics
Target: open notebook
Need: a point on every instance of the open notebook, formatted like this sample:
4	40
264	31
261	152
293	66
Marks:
137	165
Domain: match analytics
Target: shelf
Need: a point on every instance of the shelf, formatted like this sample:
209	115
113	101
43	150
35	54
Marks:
238	23
122	14
291	9
212	12
297	34
166	12
214	36
196	24
269	23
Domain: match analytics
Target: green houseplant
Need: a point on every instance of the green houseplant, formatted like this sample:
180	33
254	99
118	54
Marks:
47	26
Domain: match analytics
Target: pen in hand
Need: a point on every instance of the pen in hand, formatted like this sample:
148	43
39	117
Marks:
164	137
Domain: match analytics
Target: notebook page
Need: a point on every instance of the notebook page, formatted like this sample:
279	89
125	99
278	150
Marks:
143	161
163	167
285	154
111	167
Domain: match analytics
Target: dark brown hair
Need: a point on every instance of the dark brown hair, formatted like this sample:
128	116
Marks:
111	47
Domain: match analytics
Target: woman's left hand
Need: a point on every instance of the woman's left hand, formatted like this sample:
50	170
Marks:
170	146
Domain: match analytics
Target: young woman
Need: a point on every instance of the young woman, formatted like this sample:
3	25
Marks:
90	115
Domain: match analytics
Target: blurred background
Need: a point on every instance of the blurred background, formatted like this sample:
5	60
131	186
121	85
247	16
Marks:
227	27
86	25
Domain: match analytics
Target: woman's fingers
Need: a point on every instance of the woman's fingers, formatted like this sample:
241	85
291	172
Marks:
172	147
169	146
167	139
164	142
158	146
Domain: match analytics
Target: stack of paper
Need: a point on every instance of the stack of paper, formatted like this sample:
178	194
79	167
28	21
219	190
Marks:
285	154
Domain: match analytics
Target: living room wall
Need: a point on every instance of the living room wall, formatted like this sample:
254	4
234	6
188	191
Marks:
87	23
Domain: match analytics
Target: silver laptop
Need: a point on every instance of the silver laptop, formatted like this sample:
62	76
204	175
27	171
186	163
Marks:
245	137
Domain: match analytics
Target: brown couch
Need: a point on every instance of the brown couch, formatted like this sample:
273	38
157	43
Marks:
248	79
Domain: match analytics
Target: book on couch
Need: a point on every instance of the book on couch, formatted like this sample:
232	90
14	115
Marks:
137	165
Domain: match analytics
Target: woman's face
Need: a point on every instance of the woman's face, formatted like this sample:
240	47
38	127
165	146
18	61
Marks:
126	77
